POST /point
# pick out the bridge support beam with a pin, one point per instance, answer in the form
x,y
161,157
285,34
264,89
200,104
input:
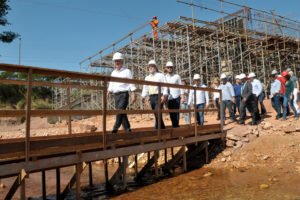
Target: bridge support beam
x,y
20,181
75,179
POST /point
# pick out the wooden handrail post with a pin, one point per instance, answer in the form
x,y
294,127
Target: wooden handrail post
x,y
159,113
69,108
28,114
195,111
104,109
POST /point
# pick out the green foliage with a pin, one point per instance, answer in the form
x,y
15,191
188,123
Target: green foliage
x,y
6,36
15,95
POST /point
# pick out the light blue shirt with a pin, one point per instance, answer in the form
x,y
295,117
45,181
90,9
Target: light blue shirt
x,y
256,87
275,88
227,91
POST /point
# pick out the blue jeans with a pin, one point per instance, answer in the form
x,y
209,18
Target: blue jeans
x,y
184,106
228,104
275,101
200,115
261,98
237,103
286,102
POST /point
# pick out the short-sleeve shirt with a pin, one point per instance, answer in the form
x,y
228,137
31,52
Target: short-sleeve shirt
x,y
294,79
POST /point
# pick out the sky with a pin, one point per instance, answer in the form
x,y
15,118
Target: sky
x,y
58,34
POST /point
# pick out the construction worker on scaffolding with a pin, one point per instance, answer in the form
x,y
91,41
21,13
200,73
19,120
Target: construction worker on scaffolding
x,y
154,24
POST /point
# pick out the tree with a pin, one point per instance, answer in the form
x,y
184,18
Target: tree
x,y
6,36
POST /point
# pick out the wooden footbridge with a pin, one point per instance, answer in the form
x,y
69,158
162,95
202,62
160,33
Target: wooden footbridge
x,y
21,156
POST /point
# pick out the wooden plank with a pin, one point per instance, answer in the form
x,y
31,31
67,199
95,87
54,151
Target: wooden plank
x,y
118,173
57,171
174,160
47,113
87,76
148,165
76,176
49,145
44,192
67,160
18,181
28,115
50,84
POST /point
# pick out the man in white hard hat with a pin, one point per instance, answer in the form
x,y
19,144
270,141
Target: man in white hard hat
x,y
237,92
247,100
202,98
275,94
152,91
256,90
175,94
295,81
121,92
227,96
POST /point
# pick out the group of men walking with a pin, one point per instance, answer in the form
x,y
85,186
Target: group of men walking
x,y
246,94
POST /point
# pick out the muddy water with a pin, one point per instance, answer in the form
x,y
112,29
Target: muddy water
x,y
204,183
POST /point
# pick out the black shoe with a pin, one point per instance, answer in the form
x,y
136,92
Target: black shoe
x,y
242,122
253,123
113,131
128,130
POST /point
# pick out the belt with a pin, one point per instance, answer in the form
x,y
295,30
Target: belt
x,y
151,95
121,92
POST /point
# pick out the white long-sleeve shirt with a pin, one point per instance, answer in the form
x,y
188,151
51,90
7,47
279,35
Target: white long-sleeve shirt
x,y
227,91
217,94
201,96
256,87
151,89
174,92
116,87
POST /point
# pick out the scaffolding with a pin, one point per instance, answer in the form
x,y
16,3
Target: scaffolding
x,y
246,40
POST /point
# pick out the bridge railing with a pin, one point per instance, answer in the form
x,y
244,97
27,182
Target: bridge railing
x,y
28,113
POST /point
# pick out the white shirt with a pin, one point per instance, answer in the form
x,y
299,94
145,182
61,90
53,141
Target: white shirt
x,y
227,91
116,87
216,94
174,92
156,77
256,87
201,96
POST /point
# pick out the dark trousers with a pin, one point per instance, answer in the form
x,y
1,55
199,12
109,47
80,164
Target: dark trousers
x,y
249,105
228,104
275,101
154,105
218,106
261,98
174,116
121,103
255,108
236,105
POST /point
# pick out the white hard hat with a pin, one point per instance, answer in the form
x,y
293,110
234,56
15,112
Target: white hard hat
x,y
223,76
274,72
118,56
288,69
169,64
196,76
237,77
252,75
242,76
152,62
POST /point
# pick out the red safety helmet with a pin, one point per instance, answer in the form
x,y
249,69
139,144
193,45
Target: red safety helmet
x,y
154,17
284,73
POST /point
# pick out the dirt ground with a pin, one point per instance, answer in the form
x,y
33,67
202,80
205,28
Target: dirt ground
x,y
261,162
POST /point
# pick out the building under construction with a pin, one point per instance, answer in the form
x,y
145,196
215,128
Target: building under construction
x,y
247,40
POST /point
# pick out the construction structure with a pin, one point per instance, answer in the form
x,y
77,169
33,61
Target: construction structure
x,y
246,40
